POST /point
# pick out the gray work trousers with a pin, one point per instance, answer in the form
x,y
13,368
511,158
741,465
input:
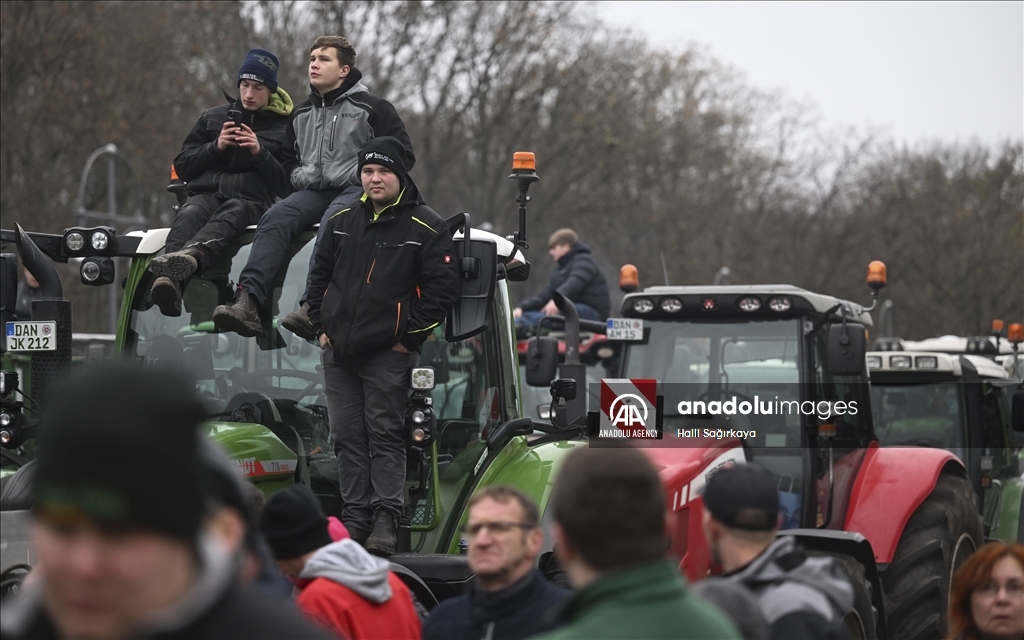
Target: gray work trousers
x,y
366,398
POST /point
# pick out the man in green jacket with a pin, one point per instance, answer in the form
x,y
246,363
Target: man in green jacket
x,y
611,536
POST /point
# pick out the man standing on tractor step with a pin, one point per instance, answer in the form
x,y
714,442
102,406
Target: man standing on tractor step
x,y
801,597
232,164
324,136
384,278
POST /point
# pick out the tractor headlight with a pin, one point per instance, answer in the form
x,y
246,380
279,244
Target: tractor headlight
x,y
74,241
671,305
780,304
749,304
643,305
99,240
423,378
97,271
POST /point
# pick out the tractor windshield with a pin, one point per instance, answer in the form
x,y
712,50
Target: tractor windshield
x,y
927,415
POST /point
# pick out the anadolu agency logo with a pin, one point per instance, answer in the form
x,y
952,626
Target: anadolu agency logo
x,y
629,409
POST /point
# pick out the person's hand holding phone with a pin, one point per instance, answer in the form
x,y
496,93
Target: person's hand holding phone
x,y
246,138
226,139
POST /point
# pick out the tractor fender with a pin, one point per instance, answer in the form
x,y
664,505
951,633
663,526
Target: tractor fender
x,y
892,484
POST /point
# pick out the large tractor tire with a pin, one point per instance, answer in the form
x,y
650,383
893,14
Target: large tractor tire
x,y
939,536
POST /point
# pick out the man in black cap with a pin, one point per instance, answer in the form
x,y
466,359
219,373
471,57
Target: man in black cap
x,y
124,545
801,597
232,163
384,278
341,586
324,135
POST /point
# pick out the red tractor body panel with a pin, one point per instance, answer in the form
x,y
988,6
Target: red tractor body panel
x,y
684,471
891,485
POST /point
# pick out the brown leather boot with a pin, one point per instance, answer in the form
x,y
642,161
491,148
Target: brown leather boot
x,y
243,317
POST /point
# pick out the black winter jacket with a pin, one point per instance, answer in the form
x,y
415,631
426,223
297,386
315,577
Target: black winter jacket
x,y
383,279
519,611
236,173
578,278
326,133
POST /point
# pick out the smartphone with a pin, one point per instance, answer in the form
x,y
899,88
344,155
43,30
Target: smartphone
x,y
235,116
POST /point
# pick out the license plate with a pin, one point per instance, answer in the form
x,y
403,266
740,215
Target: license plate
x,y
625,329
31,336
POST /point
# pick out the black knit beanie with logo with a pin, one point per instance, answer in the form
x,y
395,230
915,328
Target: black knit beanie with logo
x,y
260,65
293,522
119,449
386,151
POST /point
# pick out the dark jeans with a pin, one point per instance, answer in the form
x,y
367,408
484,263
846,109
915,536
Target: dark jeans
x,y
532,318
280,224
210,223
366,398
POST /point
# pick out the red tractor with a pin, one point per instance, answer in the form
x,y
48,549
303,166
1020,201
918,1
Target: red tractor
x,y
776,375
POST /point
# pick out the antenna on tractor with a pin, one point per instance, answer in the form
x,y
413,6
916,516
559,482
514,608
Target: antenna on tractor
x,y
524,172
664,269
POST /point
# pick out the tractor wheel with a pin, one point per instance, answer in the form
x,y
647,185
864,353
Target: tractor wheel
x,y
19,489
939,536
861,620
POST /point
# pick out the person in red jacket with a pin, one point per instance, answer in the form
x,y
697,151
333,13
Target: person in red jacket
x,y
342,587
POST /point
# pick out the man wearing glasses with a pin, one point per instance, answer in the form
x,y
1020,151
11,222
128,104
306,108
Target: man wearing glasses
x,y
509,598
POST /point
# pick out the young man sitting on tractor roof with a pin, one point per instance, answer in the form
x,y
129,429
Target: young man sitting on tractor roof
x,y
232,163
325,135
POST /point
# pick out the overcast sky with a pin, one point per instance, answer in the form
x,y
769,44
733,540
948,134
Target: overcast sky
x,y
915,70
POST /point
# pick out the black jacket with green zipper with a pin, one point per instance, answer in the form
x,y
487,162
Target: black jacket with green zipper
x,y
381,279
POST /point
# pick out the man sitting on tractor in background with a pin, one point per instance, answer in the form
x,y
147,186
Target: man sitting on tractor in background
x,y
383,279
232,163
576,276
325,135
800,596
510,598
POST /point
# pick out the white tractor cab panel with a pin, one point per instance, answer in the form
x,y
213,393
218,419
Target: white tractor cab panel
x,y
959,344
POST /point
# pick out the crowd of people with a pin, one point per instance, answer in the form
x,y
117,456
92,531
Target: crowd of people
x,y
151,533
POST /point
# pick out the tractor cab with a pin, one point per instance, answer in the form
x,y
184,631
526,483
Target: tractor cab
x,y
961,403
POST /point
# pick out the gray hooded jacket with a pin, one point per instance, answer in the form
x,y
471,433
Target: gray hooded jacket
x,y
350,565
800,595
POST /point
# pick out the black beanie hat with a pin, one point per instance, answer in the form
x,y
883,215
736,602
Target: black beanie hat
x,y
293,523
386,151
744,497
120,449
259,65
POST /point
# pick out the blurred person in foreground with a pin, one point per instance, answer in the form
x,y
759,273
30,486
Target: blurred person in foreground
x,y
611,537
341,586
509,598
801,597
124,540
987,598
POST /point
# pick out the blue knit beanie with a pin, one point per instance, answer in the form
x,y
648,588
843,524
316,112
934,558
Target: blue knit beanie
x,y
261,66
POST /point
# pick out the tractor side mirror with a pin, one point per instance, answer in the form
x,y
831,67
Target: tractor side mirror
x,y
541,361
1017,411
847,349
477,261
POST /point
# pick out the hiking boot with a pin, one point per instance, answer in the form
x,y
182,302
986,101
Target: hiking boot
x,y
167,295
358,535
242,317
298,322
180,265
384,535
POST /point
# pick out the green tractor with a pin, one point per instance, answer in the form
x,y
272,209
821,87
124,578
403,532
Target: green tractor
x,y
265,396
963,404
